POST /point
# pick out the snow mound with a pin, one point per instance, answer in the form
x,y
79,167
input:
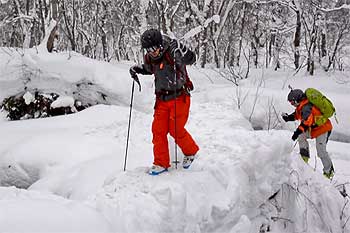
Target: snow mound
x,y
306,203
54,144
28,211
213,195
87,80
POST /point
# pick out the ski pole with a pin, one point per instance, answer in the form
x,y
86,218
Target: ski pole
x,y
295,144
175,125
176,161
128,134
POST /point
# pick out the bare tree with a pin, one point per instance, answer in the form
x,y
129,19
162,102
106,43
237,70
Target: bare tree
x,y
69,17
297,34
241,34
295,30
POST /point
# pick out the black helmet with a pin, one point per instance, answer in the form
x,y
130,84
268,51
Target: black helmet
x,y
151,37
296,95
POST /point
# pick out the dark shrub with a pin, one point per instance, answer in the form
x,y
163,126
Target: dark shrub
x,y
38,105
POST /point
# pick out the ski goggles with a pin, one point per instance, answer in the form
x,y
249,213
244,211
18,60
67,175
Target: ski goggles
x,y
293,102
152,49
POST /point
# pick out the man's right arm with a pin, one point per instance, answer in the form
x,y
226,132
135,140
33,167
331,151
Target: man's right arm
x,y
288,117
140,69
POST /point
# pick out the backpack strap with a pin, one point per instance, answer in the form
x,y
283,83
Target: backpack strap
x,y
146,59
169,58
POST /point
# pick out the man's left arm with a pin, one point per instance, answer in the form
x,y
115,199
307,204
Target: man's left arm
x,y
183,55
306,121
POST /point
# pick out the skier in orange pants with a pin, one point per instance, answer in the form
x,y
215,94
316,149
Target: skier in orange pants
x,y
167,60
164,123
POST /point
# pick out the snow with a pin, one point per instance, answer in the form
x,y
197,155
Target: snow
x,y
216,18
28,98
64,101
192,32
65,173
28,211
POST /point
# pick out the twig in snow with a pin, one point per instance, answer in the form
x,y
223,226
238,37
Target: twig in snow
x,y
256,95
311,202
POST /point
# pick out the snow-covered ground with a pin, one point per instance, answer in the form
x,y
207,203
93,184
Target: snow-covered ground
x,y
65,174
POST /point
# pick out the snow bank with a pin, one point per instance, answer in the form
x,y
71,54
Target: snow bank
x,y
52,144
211,196
306,203
63,101
28,211
65,73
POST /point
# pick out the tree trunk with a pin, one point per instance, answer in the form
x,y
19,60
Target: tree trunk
x,y
332,58
216,58
323,45
33,33
276,53
311,53
241,34
203,50
46,10
271,45
254,53
51,40
69,28
313,48
297,38
103,32
27,7
22,38
215,48
74,23
42,19
54,9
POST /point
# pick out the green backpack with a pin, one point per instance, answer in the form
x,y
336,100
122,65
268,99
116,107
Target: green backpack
x,y
321,102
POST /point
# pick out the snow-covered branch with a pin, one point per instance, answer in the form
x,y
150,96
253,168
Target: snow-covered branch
x,y
193,32
344,6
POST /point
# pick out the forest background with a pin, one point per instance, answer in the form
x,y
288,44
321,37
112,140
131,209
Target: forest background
x,y
234,34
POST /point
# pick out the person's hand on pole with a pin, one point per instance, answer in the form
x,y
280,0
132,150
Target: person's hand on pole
x,y
133,72
296,134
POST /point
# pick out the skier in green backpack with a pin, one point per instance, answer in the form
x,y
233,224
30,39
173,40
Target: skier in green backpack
x,y
307,113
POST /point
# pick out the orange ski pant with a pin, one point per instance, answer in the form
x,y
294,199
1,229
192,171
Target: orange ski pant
x,y
164,123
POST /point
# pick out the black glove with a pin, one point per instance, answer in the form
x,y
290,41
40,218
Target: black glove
x,y
296,134
134,77
134,70
177,46
286,117
189,85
